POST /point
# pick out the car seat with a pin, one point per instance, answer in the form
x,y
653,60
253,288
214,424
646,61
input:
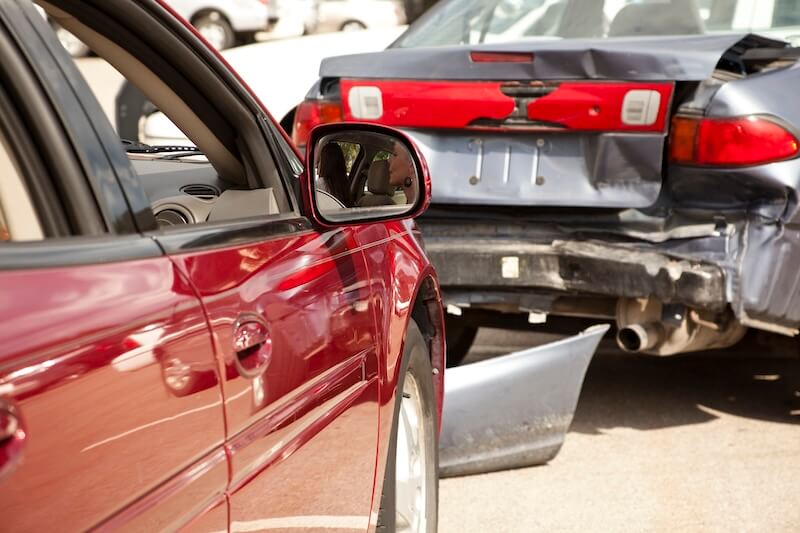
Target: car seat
x,y
333,176
379,186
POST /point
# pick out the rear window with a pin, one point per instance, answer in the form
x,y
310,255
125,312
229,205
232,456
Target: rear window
x,y
454,22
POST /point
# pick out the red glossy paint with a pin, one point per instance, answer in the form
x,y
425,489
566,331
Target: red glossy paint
x,y
84,352
571,106
320,389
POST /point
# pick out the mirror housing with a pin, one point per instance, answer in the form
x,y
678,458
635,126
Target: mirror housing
x,y
358,173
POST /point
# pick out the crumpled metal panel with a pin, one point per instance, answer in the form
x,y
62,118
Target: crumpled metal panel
x,y
684,58
769,277
515,410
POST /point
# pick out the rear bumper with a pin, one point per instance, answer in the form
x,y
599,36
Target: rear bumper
x,y
745,265
573,267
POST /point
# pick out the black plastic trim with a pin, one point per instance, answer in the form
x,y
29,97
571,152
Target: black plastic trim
x,y
76,251
229,233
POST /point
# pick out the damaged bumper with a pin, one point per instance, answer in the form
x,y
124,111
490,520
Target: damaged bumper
x,y
693,285
593,268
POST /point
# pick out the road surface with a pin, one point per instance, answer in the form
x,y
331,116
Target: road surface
x,y
677,444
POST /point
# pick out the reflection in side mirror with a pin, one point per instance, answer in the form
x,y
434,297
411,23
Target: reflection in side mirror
x,y
359,175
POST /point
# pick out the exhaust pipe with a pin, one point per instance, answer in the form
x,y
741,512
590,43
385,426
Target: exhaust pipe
x,y
640,337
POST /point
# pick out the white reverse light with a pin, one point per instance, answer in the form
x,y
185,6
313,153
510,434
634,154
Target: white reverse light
x,y
366,103
640,107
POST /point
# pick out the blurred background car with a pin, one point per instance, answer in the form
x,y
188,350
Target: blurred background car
x,y
349,15
226,23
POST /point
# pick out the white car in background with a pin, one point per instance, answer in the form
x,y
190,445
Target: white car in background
x,y
223,23
280,72
347,15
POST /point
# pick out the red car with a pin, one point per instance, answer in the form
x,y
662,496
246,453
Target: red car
x,y
220,338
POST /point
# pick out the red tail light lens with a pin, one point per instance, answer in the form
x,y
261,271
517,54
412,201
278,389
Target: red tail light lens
x,y
312,113
741,141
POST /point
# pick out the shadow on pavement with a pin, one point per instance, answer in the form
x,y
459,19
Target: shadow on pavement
x,y
644,392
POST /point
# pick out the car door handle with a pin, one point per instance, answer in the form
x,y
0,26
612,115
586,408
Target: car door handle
x,y
12,438
252,344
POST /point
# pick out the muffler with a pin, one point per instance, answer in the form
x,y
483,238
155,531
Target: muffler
x,y
640,337
650,326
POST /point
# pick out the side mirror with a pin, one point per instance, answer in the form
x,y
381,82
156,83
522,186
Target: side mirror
x,y
358,173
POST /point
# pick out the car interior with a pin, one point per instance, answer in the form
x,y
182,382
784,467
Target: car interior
x,y
228,175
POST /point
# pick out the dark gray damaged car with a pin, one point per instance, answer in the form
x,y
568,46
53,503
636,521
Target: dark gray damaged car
x,y
601,160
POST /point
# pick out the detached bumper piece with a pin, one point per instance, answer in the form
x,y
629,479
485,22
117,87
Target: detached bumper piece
x,y
513,411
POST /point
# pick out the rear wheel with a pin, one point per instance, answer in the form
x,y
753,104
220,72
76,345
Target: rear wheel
x,y
216,29
460,337
410,498
245,37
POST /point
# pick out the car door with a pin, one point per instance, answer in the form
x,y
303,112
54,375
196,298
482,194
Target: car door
x,y
100,326
292,319
289,307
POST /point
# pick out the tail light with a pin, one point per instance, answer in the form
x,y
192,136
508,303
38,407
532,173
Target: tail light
x,y
312,113
739,141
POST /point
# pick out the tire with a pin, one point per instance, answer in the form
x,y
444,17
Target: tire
x,y
216,29
400,501
245,37
352,25
459,338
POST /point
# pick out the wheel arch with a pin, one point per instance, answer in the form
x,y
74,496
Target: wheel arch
x,y
352,20
426,311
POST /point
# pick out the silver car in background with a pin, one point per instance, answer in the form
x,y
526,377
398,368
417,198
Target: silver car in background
x,y
348,15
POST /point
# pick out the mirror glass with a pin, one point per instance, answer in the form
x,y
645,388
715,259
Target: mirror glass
x,y
364,175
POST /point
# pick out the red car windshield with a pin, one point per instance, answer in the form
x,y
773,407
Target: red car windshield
x,y
455,22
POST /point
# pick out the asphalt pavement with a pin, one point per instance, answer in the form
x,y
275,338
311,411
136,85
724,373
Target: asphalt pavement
x,y
690,443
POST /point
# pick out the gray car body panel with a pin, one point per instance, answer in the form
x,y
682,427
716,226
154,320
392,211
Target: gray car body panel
x,y
513,411
545,169
685,58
